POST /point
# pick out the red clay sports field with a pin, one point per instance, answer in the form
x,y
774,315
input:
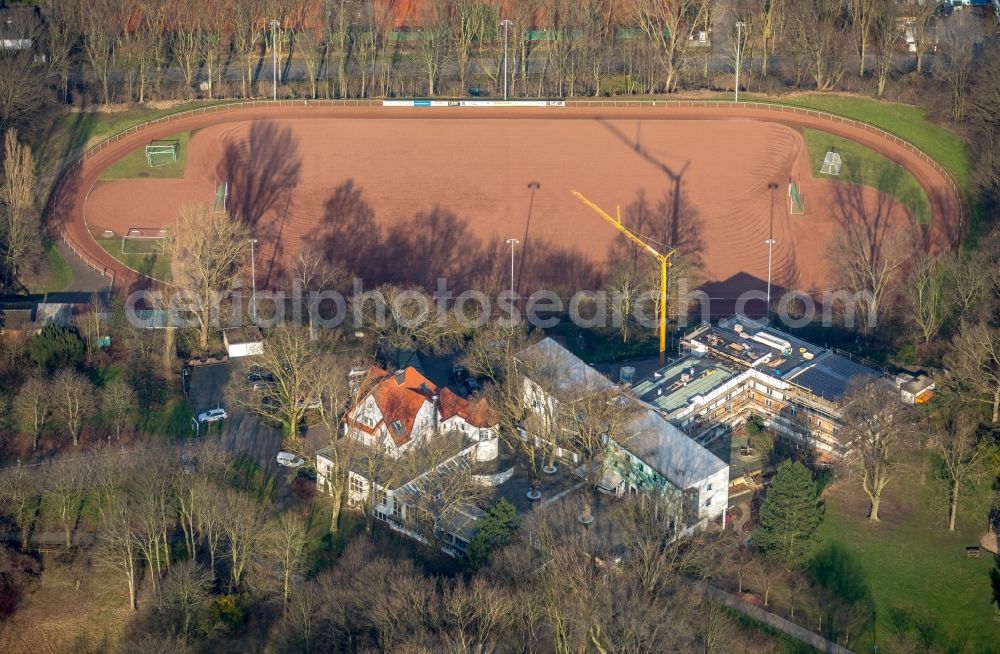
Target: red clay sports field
x,y
352,179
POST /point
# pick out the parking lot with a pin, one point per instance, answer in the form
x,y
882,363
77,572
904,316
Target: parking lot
x,y
241,434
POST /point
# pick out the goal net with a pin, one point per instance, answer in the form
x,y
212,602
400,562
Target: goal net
x,y
162,153
221,195
831,163
144,240
795,203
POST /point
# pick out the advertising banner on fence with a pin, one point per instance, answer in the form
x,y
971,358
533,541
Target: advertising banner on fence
x,y
473,103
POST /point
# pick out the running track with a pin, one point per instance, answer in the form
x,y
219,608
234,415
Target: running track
x,y
66,207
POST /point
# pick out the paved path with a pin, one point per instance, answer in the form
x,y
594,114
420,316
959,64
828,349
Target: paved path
x,y
787,627
85,279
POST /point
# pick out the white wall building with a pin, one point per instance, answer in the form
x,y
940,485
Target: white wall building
x,y
653,455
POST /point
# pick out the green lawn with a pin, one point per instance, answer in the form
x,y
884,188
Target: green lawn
x,y
912,561
89,128
862,165
156,266
172,420
59,275
905,121
134,164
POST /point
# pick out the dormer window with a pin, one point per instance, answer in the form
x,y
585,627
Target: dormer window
x,y
397,426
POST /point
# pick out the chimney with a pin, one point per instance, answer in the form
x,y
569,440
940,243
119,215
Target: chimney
x,y
400,377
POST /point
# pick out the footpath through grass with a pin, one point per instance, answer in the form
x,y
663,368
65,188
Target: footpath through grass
x,y
862,165
135,165
911,561
154,265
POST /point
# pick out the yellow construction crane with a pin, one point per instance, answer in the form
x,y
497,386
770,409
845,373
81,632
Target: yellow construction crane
x,y
664,260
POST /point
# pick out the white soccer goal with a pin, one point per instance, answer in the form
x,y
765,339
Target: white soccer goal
x,y
161,153
144,240
831,163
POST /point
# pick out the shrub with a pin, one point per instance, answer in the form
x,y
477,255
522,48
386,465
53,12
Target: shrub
x,y
56,347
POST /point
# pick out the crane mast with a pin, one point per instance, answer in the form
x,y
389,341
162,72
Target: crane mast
x,y
663,259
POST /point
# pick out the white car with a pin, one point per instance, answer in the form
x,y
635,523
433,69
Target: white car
x,y
213,415
289,460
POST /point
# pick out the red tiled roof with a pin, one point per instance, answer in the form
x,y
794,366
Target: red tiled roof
x,y
398,401
477,414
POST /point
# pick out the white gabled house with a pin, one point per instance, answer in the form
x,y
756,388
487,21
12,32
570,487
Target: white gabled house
x,y
395,414
397,411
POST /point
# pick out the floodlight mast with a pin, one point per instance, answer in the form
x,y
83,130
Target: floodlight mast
x,y
663,259
275,24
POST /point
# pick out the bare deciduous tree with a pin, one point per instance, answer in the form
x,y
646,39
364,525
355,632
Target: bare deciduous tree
x,y
435,43
862,14
495,354
884,37
119,547
597,421
248,31
314,273
20,491
403,321
65,485
974,366
819,40
62,30
439,489
668,26
243,524
31,407
118,401
285,549
929,297
955,65
21,233
182,596
961,453
869,255
209,249
72,400
878,430
285,385
98,25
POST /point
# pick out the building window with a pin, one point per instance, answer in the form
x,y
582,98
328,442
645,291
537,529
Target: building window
x,y
767,403
484,434
397,426
357,486
708,502
709,487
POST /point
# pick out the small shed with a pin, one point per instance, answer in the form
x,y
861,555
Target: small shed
x,y
18,322
243,341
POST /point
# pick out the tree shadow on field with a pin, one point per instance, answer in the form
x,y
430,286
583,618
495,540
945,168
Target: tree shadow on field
x,y
553,267
670,223
261,171
871,231
841,587
673,222
436,243
433,244
348,233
